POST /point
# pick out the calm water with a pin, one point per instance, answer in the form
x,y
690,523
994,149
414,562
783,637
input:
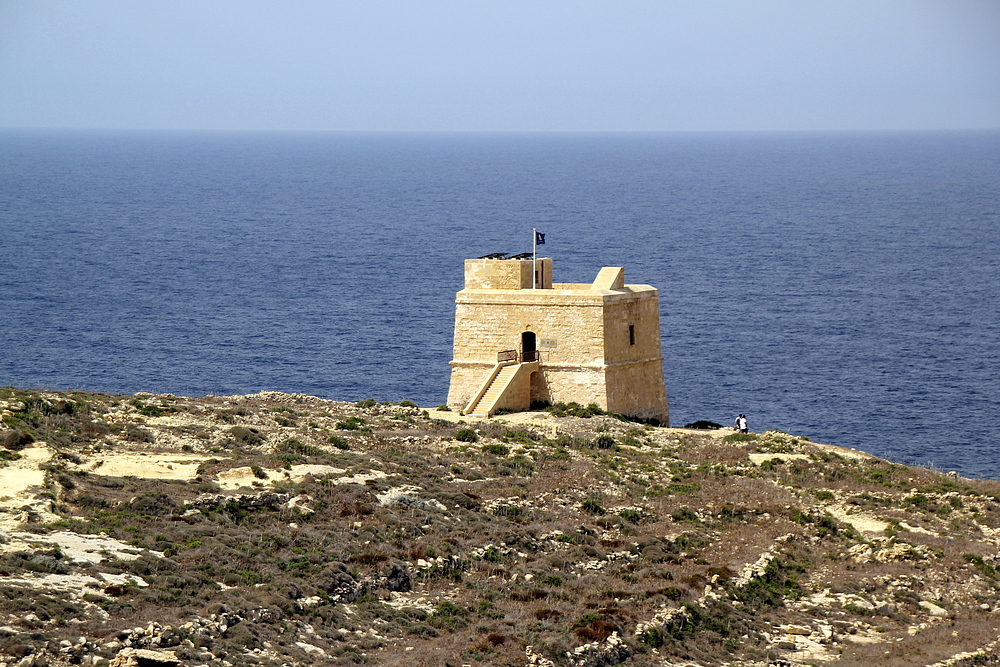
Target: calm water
x,y
843,287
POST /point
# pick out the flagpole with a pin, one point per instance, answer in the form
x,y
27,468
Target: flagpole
x,y
534,258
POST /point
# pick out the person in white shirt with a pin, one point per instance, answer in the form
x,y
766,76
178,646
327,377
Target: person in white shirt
x,y
741,423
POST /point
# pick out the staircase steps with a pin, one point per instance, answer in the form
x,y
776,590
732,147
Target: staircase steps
x,y
496,388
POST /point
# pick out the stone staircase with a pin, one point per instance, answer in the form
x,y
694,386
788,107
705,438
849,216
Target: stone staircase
x,y
484,407
507,386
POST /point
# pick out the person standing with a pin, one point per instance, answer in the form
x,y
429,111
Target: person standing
x,y
741,423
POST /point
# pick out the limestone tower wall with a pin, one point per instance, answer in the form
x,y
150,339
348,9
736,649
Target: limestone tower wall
x,y
593,343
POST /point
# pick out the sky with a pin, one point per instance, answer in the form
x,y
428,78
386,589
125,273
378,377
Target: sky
x,y
482,65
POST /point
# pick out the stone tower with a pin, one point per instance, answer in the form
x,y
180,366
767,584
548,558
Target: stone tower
x,y
556,343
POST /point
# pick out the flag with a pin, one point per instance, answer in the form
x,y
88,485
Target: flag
x,y
539,238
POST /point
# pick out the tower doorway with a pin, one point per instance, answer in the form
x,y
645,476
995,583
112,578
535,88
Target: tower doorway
x,y
528,350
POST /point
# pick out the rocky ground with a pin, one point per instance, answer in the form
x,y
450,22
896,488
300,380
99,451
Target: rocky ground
x,y
279,529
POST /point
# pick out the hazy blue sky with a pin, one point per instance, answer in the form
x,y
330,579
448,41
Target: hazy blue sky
x,y
511,65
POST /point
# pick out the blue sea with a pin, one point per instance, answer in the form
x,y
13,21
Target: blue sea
x,y
845,287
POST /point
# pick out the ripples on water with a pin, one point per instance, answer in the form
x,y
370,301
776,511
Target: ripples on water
x,y
843,287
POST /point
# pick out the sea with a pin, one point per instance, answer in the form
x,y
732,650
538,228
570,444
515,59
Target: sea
x,y
840,286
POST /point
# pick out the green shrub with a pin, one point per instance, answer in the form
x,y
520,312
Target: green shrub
x,y
150,410
771,465
990,571
258,472
466,435
880,476
494,448
339,443
448,615
574,409
444,408
493,555
778,583
351,424
631,515
407,404
653,636
517,435
740,437
250,577
593,506
857,609
367,403
684,514
587,619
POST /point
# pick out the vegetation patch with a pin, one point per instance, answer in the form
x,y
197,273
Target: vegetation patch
x,y
469,552
466,435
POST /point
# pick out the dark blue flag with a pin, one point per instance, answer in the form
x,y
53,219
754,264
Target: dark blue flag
x,y
539,238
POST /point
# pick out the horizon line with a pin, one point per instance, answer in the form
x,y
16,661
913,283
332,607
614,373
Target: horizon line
x,y
179,130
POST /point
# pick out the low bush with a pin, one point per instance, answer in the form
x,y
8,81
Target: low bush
x,y
466,435
518,435
684,514
295,446
351,424
740,437
631,515
448,615
990,571
574,409
247,436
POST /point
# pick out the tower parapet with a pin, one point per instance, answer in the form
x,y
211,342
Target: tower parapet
x,y
589,343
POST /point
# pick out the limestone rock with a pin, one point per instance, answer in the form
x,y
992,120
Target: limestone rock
x,y
934,609
140,657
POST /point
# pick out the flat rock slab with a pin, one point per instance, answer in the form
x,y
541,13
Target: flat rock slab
x,y
146,466
20,475
861,522
758,458
140,657
244,476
